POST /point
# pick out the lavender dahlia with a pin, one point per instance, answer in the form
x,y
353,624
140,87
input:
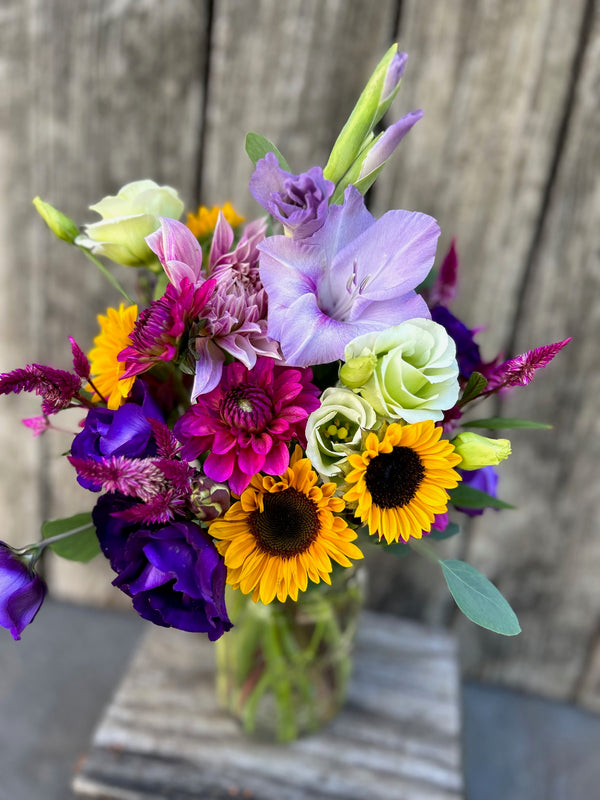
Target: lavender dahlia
x,y
354,275
247,422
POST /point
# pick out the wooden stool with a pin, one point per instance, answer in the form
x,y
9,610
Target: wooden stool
x,y
398,737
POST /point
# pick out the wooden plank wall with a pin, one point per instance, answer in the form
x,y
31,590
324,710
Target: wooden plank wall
x,y
102,92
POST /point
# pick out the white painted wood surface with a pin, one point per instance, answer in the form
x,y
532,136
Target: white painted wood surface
x,y
398,738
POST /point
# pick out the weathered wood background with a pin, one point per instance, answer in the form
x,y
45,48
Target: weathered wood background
x,y
100,92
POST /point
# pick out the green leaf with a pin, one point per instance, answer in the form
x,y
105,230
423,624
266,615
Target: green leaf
x,y
469,497
258,146
500,423
82,545
450,530
479,599
475,385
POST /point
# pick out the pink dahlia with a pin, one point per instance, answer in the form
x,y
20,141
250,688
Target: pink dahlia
x,y
246,423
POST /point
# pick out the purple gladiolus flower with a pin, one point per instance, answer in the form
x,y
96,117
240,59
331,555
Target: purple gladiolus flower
x,y
299,202
173,573
354,275
486,480
125,431
22,592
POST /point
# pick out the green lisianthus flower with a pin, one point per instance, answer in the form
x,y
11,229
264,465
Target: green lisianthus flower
x,y
415,373
335,429
127,219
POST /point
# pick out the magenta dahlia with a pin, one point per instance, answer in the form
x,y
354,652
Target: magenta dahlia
x,y
246,423
162,326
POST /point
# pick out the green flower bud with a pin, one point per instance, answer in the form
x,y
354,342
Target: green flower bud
x,y
375,100
357,371
479,451
127,219
335,429
60,225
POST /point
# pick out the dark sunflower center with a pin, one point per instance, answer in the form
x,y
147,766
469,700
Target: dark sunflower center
x,y
288,525
393,478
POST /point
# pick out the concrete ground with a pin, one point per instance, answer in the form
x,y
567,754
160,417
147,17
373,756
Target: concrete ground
x,y
55,682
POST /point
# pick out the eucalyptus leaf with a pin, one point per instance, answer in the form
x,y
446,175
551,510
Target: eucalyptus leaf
x,y
469,497
503,423
82,545
257,147
478,598
475,385
450,530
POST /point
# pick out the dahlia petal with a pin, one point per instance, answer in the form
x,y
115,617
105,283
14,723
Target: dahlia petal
x,y
178,251
219,467
209,367
277,460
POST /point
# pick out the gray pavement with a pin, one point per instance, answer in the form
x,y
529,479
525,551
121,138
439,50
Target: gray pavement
x,y
56,681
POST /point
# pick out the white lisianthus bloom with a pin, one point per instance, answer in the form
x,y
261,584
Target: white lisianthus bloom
x,y
335,429
127,219
414,375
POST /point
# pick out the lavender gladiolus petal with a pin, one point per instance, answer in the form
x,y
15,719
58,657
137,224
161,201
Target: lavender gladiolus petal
x,y
355,275
385,146
393,75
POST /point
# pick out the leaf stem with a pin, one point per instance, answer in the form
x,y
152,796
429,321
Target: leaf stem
x,y
107,274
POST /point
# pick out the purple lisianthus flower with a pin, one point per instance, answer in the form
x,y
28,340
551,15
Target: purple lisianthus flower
x,y
485,479
299,202
353,276
173,572
125,431
22,592
467,350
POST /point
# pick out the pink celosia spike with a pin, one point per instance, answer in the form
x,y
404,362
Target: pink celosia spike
x,y
519,371
81,365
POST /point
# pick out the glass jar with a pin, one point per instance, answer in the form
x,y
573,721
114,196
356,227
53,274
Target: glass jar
x,y
284,668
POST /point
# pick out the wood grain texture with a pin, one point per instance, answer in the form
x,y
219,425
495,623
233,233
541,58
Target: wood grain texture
x,y
546,555
98,96
506,158
398,738
292,76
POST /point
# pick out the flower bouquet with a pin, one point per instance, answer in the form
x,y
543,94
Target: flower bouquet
x,y
282,391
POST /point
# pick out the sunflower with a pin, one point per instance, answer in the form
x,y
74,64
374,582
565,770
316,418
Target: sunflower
x,y
115,330
401,481
283,531
203,222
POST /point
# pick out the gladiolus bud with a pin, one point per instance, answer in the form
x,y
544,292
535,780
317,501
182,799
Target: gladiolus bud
x,y
370,108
